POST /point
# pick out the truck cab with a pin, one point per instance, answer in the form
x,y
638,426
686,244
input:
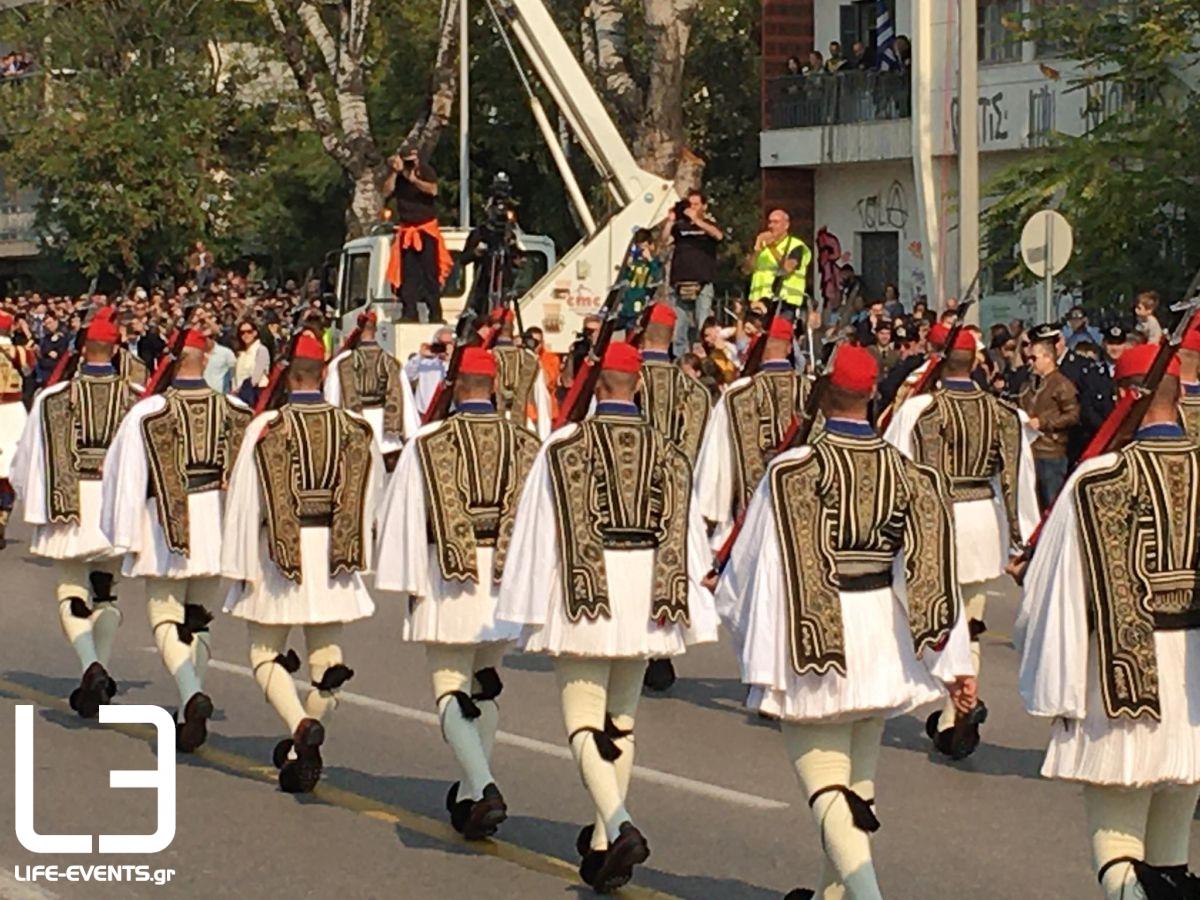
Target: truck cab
x,y
359,280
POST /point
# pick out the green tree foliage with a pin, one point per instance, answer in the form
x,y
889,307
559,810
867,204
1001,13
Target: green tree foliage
x,y
129,139
1129,185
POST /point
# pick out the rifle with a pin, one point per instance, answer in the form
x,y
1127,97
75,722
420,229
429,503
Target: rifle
x,y
575,406
164,372
1122,423
439,404
937,362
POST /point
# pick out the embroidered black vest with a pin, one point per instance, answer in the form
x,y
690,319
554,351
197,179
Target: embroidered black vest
x,y
370,378
517,371
676,404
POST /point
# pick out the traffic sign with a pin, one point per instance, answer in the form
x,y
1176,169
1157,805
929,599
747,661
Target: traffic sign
x,y
1046,243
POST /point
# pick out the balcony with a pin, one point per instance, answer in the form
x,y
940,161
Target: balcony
x,y
844,98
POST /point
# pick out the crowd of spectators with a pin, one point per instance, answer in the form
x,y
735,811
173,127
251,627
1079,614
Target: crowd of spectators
x,y
14,63
248,322
859,59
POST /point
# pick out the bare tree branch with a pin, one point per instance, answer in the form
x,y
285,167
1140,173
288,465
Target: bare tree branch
x,y
444,84
612,59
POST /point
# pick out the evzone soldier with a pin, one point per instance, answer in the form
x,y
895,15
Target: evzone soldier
x,y
678,406
164,486
1109,634
842,598
979,445
13,360
57,471
297,539
521,392
746,425
444,539
1189,376
369,381
603,572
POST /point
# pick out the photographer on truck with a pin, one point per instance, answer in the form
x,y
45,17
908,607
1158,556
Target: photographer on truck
x,y
492,248
694,238
419,262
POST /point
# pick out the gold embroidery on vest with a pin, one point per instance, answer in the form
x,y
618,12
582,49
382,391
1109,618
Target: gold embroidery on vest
x,y
759,414
1139,532
315,464
849,507
617,484
474,468
516,373
676,404
370,377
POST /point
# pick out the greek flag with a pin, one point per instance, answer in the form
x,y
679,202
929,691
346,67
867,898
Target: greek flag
x,y
885,38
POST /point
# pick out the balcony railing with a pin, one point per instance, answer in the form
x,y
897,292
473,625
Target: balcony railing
x,y
19,96
799,101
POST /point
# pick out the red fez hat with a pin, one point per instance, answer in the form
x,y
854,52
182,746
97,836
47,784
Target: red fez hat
x,y
854,369
197,340
367,319
938,334
308,347
1137,360
102,329
621,357
477,361
6,320
1191,337
964,340
661,314
782,329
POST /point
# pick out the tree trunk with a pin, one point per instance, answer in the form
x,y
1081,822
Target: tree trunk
x,y
443,85
661,141
366,203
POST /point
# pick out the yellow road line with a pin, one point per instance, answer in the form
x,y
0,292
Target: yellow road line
x,y
358,803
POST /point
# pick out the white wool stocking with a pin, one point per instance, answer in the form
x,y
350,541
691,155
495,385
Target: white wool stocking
x,y
1168,825
72,582
583,686
1117,823
839,754
266,642
164,608
452,668
323,651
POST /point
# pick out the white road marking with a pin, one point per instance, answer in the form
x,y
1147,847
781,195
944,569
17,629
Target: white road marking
x,y
678,782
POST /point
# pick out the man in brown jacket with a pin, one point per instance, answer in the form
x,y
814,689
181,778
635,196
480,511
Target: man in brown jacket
x,y
1052,404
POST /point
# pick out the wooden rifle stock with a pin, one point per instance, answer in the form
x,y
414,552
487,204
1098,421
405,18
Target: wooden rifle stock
x,y
272,394
69,363
439,404
164,372
933,372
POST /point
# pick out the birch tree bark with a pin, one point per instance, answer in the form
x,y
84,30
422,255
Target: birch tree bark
x,y
648,104
443,83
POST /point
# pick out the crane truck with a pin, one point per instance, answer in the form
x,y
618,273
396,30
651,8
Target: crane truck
x,y
559,292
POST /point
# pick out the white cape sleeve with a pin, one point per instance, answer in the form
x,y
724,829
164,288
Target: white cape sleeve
x,y
900,430
126,475
532,579
403,545
333,381
541,401
1027,501
714,474
240,545
1051,632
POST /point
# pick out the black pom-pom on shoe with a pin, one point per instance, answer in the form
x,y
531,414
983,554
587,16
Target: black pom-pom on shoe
x,y
660,676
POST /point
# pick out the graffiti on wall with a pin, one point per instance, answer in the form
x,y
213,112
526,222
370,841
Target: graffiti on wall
x,y
993,118
884,211
829,267
1041,115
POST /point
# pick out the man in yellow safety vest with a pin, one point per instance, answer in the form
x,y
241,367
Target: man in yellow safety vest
x,y
779,253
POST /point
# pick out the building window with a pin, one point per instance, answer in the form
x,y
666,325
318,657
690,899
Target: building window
x,y
996,42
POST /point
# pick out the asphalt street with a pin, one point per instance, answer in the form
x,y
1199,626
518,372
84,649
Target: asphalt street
x,y
713,791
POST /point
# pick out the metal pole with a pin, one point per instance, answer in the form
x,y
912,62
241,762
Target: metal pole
x,y
464,116
968,154
1048,300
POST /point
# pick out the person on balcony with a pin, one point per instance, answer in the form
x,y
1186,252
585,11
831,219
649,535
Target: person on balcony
x,y
835,60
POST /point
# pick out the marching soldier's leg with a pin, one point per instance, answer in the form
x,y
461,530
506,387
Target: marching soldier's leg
x,y
475,805
822,757
204,595
583,686
488,658
107,617
298,758
325,668
624,691
78,619
974,603
1168,829
1117,823
166,610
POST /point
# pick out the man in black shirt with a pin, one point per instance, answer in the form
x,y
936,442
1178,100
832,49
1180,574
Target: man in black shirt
x,y
694,237
420,261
